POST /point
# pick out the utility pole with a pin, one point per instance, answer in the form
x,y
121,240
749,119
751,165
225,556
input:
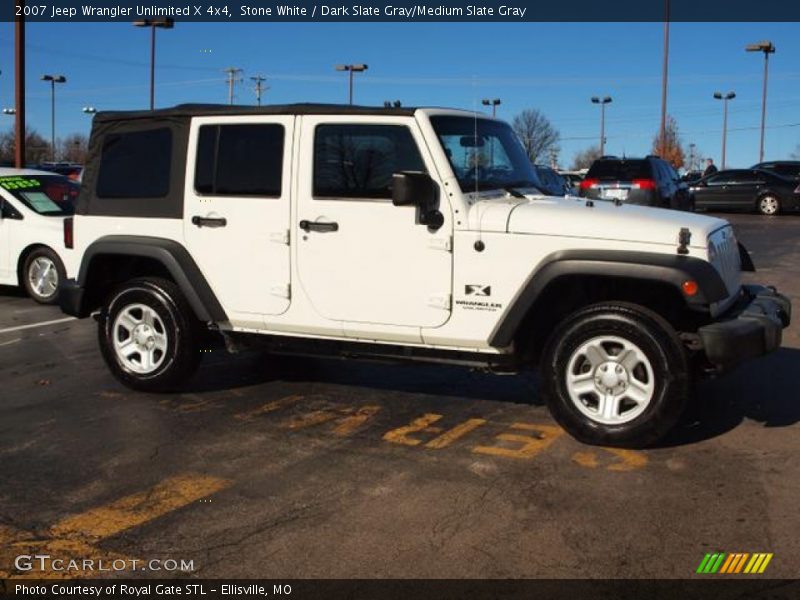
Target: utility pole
x,y
767,48
724,98
662,132
19,90
602,102
259,79
232,79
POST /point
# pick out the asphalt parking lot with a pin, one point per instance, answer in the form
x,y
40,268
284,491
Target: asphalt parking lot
x,y
313,468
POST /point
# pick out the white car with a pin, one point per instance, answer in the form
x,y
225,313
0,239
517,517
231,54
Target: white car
x,y
33,206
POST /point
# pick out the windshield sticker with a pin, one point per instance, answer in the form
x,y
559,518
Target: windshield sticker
x,y
40,202
19,183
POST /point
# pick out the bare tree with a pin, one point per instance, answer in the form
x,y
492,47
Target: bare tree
x,y
671,149
585,158
537,134
37,149
73,148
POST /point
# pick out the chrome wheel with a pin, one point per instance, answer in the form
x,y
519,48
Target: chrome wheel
x,y
43,277
769,205
610,380
140,338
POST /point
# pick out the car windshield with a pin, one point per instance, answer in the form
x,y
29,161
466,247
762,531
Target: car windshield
x,y
48,195
484,154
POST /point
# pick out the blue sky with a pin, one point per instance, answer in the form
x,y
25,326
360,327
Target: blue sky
x,y
555,67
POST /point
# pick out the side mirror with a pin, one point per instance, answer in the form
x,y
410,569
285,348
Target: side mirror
x,y
414,188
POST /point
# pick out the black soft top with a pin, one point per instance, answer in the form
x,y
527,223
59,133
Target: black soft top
x,y
199,110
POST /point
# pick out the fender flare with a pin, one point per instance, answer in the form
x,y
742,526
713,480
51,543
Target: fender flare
x,y
643,266
175,258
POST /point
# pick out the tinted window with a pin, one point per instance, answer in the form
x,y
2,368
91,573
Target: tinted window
x,y
620,170
358,161
239,160
136,164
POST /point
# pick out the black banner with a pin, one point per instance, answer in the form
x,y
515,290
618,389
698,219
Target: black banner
x,y
401,10
307,589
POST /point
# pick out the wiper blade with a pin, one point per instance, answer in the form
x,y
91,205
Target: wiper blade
x,y
513,192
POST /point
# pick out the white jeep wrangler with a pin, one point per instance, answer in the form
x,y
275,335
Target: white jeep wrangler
x,y
406,233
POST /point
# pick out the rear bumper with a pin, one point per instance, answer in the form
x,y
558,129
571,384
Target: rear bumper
x,y
70,299
752,327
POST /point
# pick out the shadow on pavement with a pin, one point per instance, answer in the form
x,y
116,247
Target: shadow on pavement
x,y
766,390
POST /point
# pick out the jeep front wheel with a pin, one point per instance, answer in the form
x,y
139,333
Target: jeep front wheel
x,y
148,335
615,374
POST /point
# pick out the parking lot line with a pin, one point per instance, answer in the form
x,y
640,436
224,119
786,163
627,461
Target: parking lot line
x,y
137,509
34,325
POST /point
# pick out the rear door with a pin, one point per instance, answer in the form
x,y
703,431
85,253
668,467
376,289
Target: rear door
x,y
236,211
361,259
742,189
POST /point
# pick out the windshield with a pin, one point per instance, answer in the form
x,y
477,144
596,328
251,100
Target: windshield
x,y
484,154
48,195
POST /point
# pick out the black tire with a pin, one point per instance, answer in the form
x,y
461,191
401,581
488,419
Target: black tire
x,y
28,270
661,346
175,317
768,205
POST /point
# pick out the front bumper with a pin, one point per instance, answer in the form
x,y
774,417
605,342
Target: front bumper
x,y
751,328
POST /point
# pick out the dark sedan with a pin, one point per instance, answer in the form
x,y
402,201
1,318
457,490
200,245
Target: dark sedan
x,y
747,190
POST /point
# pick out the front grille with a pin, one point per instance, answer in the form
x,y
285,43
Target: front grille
x,y
727,260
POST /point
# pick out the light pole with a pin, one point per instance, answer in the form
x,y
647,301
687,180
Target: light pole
x,y
493,103
767,48
163,23
602,102
358,68
662,130
53,79
724,98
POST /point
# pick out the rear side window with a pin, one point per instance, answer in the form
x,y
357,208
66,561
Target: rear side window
x,y
240,160
358,161
620,170
135,164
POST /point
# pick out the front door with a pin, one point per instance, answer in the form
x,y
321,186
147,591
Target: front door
x,y
236,211
361,259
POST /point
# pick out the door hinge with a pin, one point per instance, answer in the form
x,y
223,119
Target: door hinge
x,y
444,244
281,291
441,301
280,237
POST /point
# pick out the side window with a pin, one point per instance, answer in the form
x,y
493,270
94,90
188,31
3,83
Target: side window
x,y
358,161
135,164
239,160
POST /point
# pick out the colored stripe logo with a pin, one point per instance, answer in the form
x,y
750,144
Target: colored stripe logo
x,y
734,563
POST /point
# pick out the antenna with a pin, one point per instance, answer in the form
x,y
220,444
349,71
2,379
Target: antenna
x,y
259,79
232,79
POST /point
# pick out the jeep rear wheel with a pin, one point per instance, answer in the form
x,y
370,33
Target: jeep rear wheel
x,y
615,374
148,335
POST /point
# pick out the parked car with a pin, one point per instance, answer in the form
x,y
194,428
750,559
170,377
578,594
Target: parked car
x,y
649,181
552,183
619,306
786,168
747,190
70,170
33,206
574,179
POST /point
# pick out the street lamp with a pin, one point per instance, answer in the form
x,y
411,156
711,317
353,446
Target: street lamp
x,y
493,103
724,98
89,110
9,111
53,79
602,102
767,48
163,23
359,68
392,104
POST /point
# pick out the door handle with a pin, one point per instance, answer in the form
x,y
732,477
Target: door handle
x,y
317,226
209,221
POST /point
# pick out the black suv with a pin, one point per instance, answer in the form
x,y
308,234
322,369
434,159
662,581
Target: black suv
x,y
649,181
787,168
